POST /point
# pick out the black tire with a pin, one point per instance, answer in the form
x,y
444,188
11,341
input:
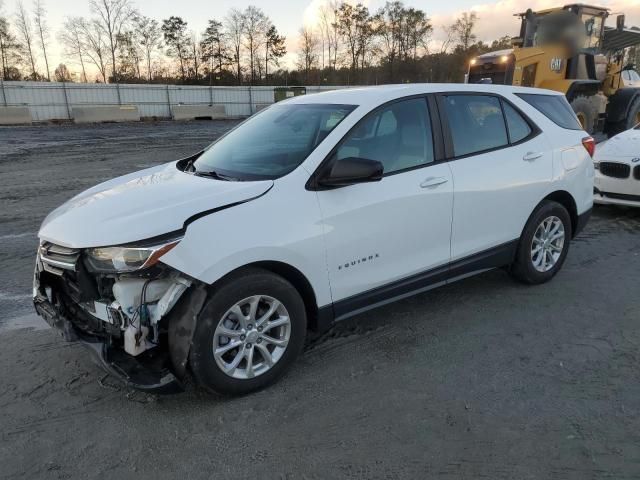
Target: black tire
x,y
586,111
632,119
244,284
523,268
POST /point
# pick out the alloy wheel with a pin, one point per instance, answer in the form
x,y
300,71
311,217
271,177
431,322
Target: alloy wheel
x,y
251,337
547,244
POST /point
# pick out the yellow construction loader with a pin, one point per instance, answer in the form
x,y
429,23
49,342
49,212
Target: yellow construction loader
x,y
570,50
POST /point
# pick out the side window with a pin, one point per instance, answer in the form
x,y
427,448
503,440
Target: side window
x,y
518,126
476,123
399,136
625,75
554,107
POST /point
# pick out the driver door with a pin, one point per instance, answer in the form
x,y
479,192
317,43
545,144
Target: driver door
x,y
388,238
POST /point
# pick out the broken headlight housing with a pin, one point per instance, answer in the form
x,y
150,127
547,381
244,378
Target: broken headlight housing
x,y
127,258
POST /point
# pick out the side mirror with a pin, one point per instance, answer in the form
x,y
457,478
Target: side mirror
x,y
352,170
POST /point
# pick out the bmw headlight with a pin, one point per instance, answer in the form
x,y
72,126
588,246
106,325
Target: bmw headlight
x,y
127,258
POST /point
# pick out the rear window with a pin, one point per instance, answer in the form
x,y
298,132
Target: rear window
x,y
555,108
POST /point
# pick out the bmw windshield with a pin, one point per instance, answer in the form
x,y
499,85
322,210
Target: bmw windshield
x,y
270,144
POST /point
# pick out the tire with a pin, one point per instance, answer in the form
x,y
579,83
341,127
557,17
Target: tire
x,y
632,119
524,267
586,111
251,339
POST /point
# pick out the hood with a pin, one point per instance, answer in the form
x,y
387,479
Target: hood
x,y
141,205
623,147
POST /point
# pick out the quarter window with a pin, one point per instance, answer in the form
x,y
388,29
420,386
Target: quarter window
x,y
519,129
554,107
398,136
476,123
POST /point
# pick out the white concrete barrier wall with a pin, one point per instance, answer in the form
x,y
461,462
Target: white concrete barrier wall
x,y
15,116
125,113
191,112
56,101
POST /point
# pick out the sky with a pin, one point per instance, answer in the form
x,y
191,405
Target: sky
x,y
495,18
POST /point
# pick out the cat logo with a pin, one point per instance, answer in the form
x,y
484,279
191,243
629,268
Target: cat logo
x,y
556,64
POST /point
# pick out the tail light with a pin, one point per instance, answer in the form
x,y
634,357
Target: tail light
x,y
590,145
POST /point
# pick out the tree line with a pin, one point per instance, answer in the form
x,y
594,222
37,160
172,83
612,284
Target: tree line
x,y
349,44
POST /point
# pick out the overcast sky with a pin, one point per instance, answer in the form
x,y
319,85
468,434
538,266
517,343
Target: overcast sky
x,y
495,18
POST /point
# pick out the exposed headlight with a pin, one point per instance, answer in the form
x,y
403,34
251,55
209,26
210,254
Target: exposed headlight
x,y
127,258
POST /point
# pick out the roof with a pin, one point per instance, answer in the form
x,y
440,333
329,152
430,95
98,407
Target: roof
x,y
545,11
380,94
615,39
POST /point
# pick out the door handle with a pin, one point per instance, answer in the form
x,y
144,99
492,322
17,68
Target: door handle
x,y
531,156
431,182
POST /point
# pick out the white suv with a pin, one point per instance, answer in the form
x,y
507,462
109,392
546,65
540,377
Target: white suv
x,y
316,209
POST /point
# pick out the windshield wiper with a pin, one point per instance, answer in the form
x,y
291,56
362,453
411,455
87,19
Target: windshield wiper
x,y
216,175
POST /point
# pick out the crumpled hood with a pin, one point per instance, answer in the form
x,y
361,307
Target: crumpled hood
x,y
141,205
623,147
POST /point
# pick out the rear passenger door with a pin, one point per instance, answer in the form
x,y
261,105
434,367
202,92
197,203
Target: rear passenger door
x,y
501,167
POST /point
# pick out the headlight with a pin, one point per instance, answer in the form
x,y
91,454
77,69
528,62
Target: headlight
x,y
127,258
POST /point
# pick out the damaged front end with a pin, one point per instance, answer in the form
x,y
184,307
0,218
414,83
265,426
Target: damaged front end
x,y
134,313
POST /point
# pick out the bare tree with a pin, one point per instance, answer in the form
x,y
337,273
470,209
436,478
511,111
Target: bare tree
x,y
308,53
256,25
463,29
113,17
195,55
39,18
23,24
149,35
234,23
95,45
71,36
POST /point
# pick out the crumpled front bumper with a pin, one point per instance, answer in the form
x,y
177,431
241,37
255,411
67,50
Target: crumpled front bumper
x,y
149,376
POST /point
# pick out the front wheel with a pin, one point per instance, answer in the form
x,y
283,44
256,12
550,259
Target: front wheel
x,y
544,244
248,334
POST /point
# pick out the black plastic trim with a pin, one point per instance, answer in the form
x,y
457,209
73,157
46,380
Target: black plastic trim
x,y
495,257
583,219
620,196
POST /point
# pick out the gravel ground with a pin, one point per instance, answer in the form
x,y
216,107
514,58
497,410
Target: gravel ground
x,y
482,379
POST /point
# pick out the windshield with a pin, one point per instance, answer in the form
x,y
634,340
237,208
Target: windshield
x,y
273,143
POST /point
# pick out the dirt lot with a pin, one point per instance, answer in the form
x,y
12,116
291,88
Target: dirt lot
x,y
482,379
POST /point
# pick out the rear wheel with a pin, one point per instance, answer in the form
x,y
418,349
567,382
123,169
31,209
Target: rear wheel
x,y
586,112
249,333
632,119
543,245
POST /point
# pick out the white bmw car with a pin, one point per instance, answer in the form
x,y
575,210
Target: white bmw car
x,y
617,164
316,209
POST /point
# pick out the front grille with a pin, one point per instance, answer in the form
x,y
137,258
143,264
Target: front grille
x,y
636,173
615,169
56,258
